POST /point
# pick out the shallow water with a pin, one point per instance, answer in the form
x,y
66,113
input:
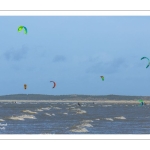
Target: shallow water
x,y
69,118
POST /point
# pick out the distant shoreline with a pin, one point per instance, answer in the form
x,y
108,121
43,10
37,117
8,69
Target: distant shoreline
x,y
72,97
76,101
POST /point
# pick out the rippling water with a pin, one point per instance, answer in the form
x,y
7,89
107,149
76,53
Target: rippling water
x,y
69,118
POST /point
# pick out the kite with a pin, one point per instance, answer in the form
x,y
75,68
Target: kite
x,y
25,86
20,28
102,78
148,61
54,84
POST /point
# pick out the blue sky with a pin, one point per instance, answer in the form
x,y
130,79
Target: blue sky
x,y
74,51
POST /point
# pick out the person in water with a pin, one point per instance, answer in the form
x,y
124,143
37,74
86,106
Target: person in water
x,y
79,104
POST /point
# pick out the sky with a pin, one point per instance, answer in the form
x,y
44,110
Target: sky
x,y
74,51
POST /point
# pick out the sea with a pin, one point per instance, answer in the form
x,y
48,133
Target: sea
x,y
73,118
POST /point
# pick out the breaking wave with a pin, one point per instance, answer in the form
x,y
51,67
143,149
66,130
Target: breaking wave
x,y
72,107
106,105
16,118
28,116
81,127
46,108
56,108
30,112
38,110
81,112
48,114
85,121
86,125
1,124
79,130
1,120
22,117
121,117
65,113
110,119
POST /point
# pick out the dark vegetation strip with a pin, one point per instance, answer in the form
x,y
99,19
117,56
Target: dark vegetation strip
x,y
71,97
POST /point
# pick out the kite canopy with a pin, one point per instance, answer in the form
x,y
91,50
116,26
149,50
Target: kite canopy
x,y
54,84
144,58
140,100
102,77
25,86
20,28
148,61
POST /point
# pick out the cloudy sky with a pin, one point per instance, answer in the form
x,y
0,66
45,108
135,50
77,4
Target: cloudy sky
x,y
74,52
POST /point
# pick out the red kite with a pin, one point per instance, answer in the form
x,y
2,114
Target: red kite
x,y
54,84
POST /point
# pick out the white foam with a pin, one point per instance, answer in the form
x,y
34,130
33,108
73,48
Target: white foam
x,y
86,121
109,119
22,117
3,124
28,116
16,118
48,114
76,109
46,108
86,125
65,113
81,112
38,110
106,105
30,112
97,119
121,117
2,128
57,108
16,102
2,120
79,130
53,114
